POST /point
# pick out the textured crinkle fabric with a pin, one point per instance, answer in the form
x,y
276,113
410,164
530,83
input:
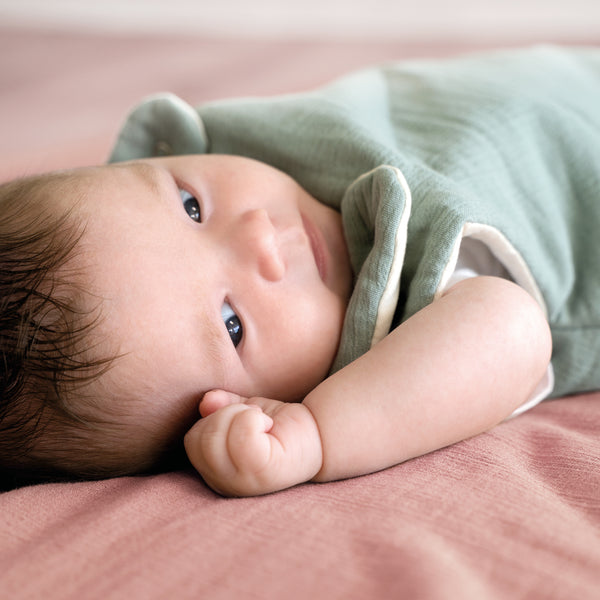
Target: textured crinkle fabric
x,y
514,513
503,147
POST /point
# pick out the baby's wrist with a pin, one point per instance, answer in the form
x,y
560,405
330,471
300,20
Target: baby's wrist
x,y
313,448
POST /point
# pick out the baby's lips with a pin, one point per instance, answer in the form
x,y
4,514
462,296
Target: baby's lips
x,y
317,246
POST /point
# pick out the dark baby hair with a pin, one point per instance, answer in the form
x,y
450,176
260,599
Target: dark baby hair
x,y
44,358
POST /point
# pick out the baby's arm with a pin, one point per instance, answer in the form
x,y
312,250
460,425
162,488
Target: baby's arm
x,y
453,370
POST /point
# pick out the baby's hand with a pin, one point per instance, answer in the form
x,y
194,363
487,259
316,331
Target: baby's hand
x,y
252,446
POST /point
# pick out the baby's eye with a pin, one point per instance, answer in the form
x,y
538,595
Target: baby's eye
x,y
233,324
191,205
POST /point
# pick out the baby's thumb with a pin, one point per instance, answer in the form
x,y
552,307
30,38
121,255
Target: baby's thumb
x,y
215,399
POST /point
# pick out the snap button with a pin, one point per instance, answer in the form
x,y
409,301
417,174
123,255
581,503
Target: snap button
x,y
162,148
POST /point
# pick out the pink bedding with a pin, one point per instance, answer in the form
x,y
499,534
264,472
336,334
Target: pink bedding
x,y
514,513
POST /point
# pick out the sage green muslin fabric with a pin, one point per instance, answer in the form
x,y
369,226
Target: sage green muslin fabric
x,y
501,147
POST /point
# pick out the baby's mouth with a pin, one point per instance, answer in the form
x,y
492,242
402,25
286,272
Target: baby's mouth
x,y
317,245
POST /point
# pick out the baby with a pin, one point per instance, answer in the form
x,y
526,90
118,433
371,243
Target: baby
x,y
414,304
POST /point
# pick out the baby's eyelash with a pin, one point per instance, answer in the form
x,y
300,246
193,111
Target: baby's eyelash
x,y
190,205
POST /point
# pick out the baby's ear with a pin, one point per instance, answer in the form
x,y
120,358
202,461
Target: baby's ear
x,y
215,399
160,125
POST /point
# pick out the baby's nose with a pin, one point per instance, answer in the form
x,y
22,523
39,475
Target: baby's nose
x,y
258,243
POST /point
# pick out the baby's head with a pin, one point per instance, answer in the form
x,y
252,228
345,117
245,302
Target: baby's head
x,y
129,291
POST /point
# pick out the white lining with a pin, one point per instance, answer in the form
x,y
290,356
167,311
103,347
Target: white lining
x,y
508,256
389,297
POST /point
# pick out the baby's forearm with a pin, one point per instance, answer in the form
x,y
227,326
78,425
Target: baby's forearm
x,y
453,370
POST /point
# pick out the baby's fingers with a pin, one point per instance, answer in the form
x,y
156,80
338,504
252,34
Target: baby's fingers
x,y
229,446
247,443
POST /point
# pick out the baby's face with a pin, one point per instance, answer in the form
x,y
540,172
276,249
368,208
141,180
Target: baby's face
x,y
212,272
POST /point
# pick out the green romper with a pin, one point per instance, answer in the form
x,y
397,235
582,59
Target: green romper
x,y
501,148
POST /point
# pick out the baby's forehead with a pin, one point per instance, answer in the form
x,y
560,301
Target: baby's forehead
x,y
41,188
81,177
57,190
75,193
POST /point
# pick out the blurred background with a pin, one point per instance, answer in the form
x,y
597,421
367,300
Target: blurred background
x,y
313,19
70,69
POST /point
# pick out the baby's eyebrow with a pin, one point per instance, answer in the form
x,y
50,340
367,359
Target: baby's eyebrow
x,y
149,175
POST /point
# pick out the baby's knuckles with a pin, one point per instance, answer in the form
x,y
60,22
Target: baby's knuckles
x,y
248,444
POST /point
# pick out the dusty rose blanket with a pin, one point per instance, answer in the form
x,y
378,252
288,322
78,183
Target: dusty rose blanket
x,y
514,513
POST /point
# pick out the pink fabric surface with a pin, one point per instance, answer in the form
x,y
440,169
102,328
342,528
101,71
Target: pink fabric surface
x,y
63,96
514,513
